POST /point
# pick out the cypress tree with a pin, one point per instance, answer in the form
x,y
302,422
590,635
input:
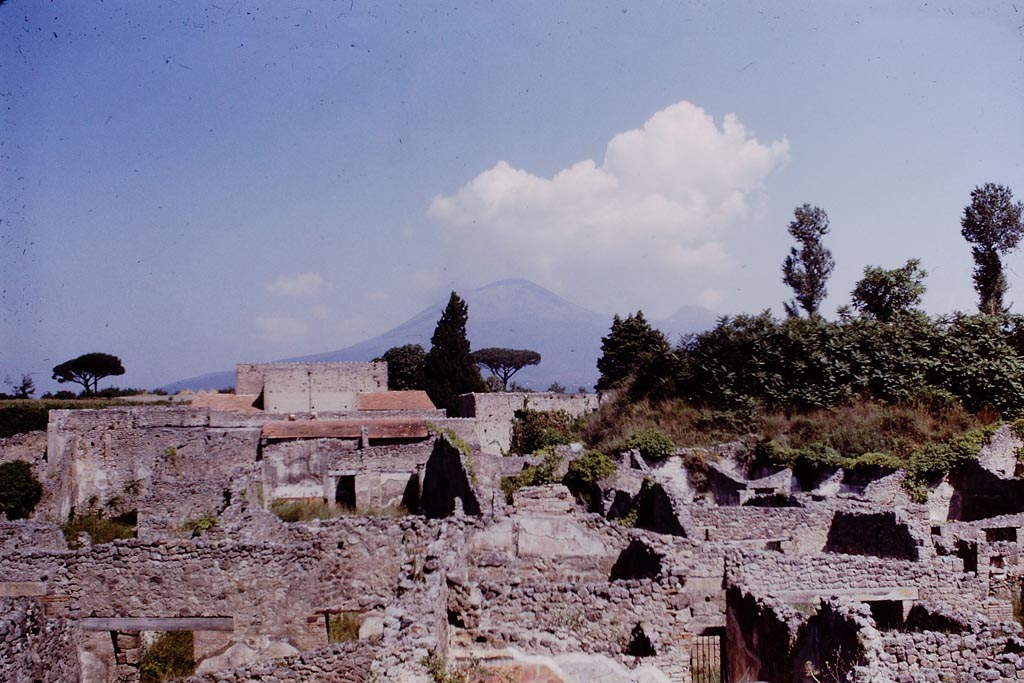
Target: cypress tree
x,y
449,368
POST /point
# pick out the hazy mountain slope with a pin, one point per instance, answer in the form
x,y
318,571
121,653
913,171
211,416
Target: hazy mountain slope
x,y
510,313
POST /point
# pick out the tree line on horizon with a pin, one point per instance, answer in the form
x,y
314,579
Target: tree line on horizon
x,y
881,347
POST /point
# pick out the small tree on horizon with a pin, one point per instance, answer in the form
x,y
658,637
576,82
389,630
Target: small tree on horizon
x,y
884,294
504,363
630,346
405,367
88,369
449,369
807,270
993,224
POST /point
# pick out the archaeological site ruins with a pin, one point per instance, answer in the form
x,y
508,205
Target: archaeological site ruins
x,y
428,567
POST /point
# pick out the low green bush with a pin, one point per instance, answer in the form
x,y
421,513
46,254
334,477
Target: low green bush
x,y
535,430
171,656
20,491
651,443
101,529
541,474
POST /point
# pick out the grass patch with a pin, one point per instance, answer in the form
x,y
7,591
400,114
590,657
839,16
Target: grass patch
x,y
101,529
308,510
342,627
304,510
171,656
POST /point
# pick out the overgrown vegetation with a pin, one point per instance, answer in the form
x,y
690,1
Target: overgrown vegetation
x,y
541,474
21,416
171,656
342,627
650,443
20,491
304,510
536,430
100,527
441,672
585,474
197,526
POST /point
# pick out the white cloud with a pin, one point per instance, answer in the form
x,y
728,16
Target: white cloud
x,y
302,284
654,216
279,329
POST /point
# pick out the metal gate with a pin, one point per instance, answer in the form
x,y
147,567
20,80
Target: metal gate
x,y
707,657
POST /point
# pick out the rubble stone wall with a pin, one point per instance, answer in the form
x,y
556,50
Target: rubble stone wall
x,y
37,648
940,579
802,530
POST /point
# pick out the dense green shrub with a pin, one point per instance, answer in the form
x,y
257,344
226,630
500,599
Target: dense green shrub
x,y
535,430
651,443
804,364
20,491
590,467
101,529
171,656
543,473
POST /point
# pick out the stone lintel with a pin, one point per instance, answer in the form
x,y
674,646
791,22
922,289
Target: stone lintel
x,y
22,589
135,624
901,593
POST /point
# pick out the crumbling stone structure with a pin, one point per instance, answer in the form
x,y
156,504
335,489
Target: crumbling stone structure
x,y
425,558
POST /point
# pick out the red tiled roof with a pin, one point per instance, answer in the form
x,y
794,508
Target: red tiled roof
x,y
345,429
395,400
239,403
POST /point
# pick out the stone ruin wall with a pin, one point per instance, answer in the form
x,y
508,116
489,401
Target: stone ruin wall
x,y
494,413
799,531
167,460
277,593
941,579
941,644
36,647
305,387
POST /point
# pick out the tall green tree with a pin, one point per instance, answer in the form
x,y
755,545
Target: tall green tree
x,y
807,269
449,369
88,370
630,347
884,294
405,367
993,225
504,363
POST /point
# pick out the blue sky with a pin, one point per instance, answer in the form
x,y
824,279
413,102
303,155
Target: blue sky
x,y
188,185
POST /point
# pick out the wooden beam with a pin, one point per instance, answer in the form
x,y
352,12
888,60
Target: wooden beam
x,y
158,624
